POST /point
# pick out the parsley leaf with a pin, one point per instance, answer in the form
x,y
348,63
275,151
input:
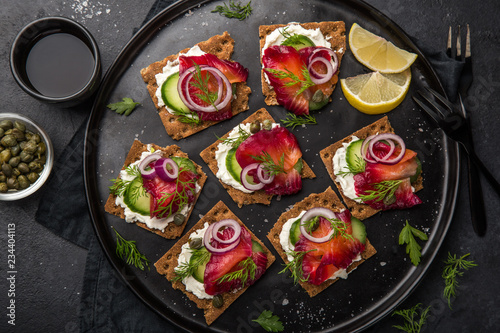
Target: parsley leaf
x,y
452,271
126,106
269,322
234,10
411,324
412,247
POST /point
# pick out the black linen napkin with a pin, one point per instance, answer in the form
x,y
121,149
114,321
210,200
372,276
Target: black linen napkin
x,y
107,305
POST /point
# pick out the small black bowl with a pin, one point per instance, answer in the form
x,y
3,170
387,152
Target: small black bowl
x,y
33,33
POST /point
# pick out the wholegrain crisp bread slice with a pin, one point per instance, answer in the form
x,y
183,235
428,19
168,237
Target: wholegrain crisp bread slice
x,y
334,32
239,197
359,210
220,45
169,261
171,230
327,199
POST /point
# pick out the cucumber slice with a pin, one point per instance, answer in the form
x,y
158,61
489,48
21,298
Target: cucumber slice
x,y
199,272
295,232
354,157
414,178
298,41
358,229
170,95
256,247
232,165
184,163
137,203
299,165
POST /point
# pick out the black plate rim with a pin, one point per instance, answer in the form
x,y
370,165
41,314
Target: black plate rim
x,y
114,72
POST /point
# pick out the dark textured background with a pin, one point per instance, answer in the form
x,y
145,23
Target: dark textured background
x,y
50,270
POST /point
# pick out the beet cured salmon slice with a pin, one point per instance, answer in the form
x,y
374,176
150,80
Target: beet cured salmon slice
x,y
322,260
282,146
224,263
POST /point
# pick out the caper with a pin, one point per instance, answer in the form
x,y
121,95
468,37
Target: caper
x,y
389,199
2,132
5,156
28,135
23,182
267,124
3,187
22,144
35,137
2,177
16,172
195,243
42,148
31,147
16,150
35,166
6,169
318,96
8,140
26,157
23,167
217,301
14,161
33,177
179,219
6,125
41,160
12,183
19,135
20,126
255,127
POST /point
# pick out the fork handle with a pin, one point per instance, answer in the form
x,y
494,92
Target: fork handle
x,y
491,179
476,200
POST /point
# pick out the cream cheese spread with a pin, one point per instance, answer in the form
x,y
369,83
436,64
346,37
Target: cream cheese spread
x,y
346,180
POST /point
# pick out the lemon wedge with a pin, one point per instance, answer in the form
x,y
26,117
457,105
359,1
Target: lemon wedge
x,y
376,93
378,54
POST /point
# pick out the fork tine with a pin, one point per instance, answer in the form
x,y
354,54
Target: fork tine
x,y
448,45
459,46
467,44
432,114
441,98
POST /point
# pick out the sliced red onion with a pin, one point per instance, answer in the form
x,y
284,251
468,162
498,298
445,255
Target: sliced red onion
x,y
146,170
364,149
208,238
264,176
392,139
245,182
167,169
331,65
312,213
227,223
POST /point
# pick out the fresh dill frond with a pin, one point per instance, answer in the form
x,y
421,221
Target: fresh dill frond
x,y
235,142
293,79
452,271
127,250
200,257
271,167
295,265
247,271
412,324
292,120
383,190
234,10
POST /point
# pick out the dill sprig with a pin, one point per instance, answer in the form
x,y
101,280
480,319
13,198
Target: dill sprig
x,y
234,10
199,257
247,270
295,265
187,117
383,190
452,272
293,78
338,226
127,250
235,142
201,83
271,167
120,186
353,169
292,120
412,323
179,197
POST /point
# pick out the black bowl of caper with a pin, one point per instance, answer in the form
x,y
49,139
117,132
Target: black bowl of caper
x,y
26,156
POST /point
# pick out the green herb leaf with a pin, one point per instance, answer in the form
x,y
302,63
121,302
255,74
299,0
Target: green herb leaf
x,y
201,257
383,190
353,169
187,117
127,250
201,83
269,322
126,106
247,270
234,10
293,120
293,78
179,200
412,247
412,324
296,265
452,271
270,166
120,186
235,142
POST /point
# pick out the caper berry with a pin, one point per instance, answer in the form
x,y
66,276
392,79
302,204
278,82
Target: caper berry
x,y
179,219
6,169
35,137
23,182
8,140
5,156
42,148
15,150
3,187
267,124
18,134
23,167
255,127
217,301
15,172
12,183
6,125
32,177
30,147
35,166
20,126
195,243
14,161
26,157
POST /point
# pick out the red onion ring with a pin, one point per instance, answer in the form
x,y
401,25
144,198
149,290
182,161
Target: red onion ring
x,y
364,149
264,176
227,223
208,238
164,172
312,213
144,165
331,65
392,139
244,181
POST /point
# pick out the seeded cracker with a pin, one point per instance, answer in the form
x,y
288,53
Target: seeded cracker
x,y
166,264
220,45
242,198
361,211
327,199
333,31
171,230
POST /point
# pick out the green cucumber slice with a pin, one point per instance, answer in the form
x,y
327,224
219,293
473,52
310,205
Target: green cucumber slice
x,y
199,272
295,232
170,95
232,165
184,163
256,247
138,203
414,178
298,41
358,229
354,157
299,165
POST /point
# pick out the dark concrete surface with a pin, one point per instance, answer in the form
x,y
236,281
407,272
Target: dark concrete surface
x,y
50,269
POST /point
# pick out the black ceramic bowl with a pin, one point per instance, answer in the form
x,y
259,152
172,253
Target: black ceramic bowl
x,y
36,31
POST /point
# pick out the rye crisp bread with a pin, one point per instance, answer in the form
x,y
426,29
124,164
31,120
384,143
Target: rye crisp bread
x,y
220,45
327,199
171,230
333,31
168,262
239,197
361,211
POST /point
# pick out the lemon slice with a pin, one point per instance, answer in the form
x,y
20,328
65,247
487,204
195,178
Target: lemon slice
x,y
378,54
375,93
